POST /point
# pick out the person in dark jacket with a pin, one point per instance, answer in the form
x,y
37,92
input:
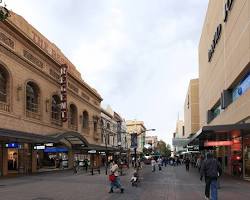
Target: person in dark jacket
x,y
210,169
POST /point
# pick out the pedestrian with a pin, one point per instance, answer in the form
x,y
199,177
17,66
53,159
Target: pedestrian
x,y
75,165
153,163
159,162
114,171
187,163
210,169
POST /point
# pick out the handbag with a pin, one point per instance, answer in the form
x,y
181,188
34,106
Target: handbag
x,y
112,178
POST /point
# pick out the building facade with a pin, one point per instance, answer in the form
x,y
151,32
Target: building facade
x,y
179,140
32,85
224,84
134,126
152,140
191,109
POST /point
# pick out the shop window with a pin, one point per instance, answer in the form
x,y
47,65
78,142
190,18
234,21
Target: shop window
x,y
32,97
55,108
73,117
85,120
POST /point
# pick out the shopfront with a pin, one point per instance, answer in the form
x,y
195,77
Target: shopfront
x,y
246,156
231,146
52,157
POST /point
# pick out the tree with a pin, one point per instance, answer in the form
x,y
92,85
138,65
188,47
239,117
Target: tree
x,y
163,149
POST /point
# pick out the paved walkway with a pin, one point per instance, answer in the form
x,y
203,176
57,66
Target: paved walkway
x,y
172,183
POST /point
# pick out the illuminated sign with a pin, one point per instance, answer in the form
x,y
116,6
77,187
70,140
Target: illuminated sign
x,y
63,82
49,145
12,145
217,143
40,147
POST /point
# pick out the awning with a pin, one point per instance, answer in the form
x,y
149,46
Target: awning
x,y
74,138
218,132
99,148
15,136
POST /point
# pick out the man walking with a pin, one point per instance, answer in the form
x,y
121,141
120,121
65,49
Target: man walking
x,y
210,169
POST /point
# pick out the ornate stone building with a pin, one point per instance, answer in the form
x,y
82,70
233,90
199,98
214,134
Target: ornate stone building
x,y
32,132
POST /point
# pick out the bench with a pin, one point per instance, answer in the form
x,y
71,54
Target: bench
x,y
94,169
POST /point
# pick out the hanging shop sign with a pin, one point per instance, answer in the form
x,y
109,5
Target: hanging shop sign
x,y
217,34
63,82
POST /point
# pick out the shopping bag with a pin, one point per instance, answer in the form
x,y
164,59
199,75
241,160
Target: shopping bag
x,y
111,177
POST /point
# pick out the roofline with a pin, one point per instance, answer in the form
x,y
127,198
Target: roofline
x,y
22,33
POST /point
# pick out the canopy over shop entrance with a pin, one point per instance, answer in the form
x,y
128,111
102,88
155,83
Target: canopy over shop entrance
x,y
219,133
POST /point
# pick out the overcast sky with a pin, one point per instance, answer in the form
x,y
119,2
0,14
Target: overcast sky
x,y
138,54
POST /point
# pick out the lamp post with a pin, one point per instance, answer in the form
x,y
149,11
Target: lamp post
x,y
135,143
120,155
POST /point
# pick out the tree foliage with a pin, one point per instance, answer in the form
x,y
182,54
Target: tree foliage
x,y
163,148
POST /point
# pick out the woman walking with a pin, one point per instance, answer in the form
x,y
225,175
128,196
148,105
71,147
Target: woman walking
x,y
114,178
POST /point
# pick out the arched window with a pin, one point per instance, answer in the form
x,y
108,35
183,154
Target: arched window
x,y
85,120
32,97
73,117
3,84
55,108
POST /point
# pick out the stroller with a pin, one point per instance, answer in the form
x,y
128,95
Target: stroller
x,y
135,179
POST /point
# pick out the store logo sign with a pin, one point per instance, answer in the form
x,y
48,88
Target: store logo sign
x,y
227,8
215,41
63,82
217,34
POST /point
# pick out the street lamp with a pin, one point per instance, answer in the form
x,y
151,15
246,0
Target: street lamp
x,y
135,143
119,144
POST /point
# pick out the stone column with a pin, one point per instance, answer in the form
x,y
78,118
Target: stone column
x,y
34,161
5,162
70,158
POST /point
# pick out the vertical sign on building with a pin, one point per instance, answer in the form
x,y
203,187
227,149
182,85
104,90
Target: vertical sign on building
x,y
133,140
63,82
119,136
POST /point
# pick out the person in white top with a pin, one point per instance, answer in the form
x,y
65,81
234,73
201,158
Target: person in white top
x,y
153,163
159,162
114,170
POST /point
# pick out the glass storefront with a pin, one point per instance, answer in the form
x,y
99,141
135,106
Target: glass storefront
x,y
52,158
246,155
236,157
